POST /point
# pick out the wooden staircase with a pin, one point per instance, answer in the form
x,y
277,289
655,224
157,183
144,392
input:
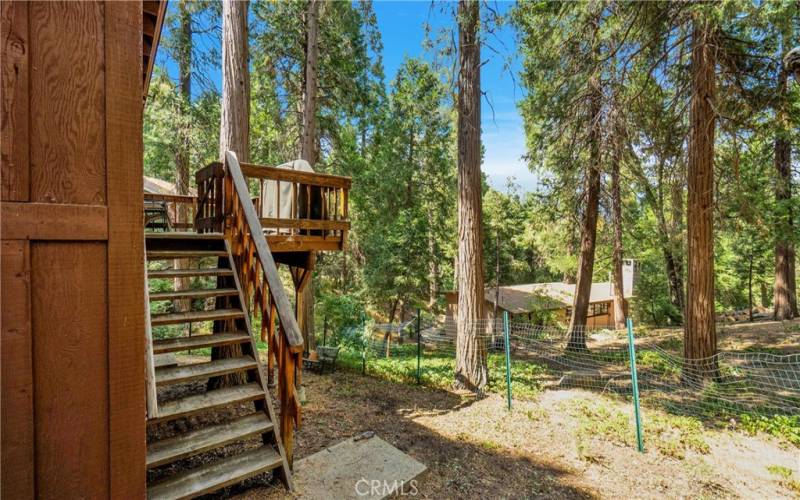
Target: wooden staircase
x,y
214,434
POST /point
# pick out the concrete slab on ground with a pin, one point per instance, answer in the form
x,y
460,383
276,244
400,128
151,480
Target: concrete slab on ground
x,y
360,467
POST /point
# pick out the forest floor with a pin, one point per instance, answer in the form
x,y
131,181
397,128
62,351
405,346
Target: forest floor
x,y
554,443
565,444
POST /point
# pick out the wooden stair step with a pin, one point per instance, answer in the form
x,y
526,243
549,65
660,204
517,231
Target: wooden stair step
x,y
184,254
189,273
182,235
183,373
190,405
196,293
200,440
199,342
218,474
195,316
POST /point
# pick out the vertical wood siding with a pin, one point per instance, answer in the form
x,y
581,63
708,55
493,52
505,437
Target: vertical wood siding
x,y
72,299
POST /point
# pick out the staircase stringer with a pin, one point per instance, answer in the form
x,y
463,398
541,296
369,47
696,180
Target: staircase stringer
x,y
286,476
149,358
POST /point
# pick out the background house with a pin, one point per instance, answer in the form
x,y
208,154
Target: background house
x,y
539,301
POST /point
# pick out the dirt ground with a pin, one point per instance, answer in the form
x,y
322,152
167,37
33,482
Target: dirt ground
x,y
561,444
477,448
776,337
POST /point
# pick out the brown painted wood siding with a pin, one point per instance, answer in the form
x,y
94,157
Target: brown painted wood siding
x,y
72,251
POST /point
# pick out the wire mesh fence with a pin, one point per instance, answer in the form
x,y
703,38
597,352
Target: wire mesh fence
x,y
727,385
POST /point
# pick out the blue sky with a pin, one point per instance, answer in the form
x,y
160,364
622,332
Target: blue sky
x,y
401,24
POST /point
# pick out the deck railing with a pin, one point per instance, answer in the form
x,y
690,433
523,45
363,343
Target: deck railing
x,y
224,205
316,205
169,212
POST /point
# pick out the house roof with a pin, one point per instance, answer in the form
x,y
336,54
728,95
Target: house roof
x,y
519,299
159,186
153,13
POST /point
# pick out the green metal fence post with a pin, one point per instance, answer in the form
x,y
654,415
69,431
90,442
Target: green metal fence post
x,y
635,386
508,357
419,343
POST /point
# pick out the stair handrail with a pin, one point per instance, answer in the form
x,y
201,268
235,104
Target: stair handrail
x,y
225,205
284,308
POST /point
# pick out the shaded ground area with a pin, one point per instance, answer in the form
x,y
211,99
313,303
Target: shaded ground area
x,y
346,404
565,444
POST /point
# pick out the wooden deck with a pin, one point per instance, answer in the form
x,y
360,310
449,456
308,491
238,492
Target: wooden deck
x,y
314,219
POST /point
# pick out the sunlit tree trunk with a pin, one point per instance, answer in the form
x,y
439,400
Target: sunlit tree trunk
x,y
235,123
471,371
308,152
583,286
785,298
183,53
234,126
700,336
616,215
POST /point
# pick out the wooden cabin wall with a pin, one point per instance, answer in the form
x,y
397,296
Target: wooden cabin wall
x,y
73,407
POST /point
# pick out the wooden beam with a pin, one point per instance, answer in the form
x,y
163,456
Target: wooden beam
x,y
302,243
298,176
160,14
51,221
127,447
174,198
327,225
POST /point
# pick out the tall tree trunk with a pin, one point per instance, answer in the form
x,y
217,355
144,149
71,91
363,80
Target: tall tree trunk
x,y
308,152
235,124
700,336
616,214
471,370
234,127
583,287
309,126
785,298
183,53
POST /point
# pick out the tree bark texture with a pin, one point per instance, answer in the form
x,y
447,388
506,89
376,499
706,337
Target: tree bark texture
x,y
700,336
471,370
784,296
234,128
235,124
616,215
183,53
583,286
308,152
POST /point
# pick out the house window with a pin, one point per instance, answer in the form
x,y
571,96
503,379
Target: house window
x,y
598,309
